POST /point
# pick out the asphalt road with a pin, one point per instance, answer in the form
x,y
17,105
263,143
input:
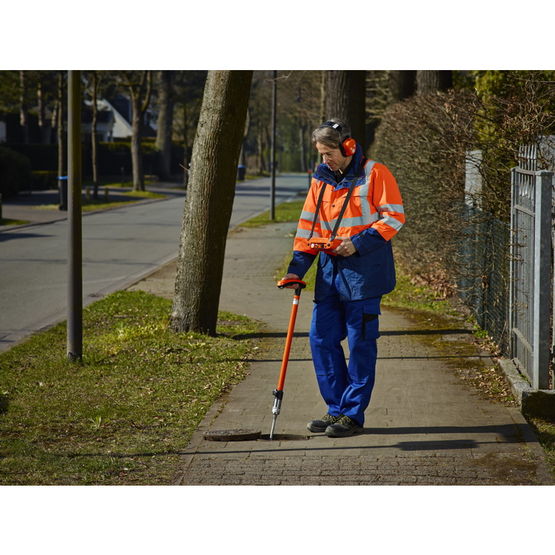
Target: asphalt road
x,y
120,246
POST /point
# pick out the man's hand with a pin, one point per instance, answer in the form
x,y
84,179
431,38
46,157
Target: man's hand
x,y
290,276
346,248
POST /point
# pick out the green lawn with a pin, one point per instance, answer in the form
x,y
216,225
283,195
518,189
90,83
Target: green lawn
x,y
103,201
8,221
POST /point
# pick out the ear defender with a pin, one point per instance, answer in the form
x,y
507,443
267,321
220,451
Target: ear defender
x,y
349,146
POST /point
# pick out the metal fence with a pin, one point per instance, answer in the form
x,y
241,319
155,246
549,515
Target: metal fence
x,y
530,309
484,282
508,278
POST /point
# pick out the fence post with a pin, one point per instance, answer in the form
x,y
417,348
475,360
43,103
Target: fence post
x,y
542,280
553,279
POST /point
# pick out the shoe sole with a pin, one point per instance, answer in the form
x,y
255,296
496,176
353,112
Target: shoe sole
x,y
316,430
344,434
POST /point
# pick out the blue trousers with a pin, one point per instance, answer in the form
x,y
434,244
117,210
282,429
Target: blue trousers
x,y
346,388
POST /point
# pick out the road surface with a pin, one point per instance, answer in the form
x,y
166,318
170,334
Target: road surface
x,y
120,246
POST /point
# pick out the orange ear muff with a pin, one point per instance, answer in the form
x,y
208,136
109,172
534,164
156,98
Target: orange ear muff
x,y
348,147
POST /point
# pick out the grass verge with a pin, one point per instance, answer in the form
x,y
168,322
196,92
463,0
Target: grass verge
x,y
8,221
103,202
122,415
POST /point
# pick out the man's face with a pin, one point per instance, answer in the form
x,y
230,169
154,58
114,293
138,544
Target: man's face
x,y
332,157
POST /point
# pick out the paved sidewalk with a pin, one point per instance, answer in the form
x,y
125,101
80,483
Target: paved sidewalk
x,y
423,426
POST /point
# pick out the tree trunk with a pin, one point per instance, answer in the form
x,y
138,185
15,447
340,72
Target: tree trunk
x,y
136,154
209,201
323,78
140,100
94,139
164,123
23,119
44,128
242,153
345,100
60,123
185,148
302,149
402,84
429,82
261,152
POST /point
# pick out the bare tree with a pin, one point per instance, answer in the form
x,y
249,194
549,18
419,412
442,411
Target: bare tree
x,y
94,139
164,122
209,201
402,84
59,119
345,99
433,81
23,115
188,88
41,106
139,86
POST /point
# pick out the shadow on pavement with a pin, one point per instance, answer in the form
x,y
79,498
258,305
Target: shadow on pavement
x,y
263,335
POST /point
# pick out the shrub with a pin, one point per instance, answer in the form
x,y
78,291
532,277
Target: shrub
x,y
15,172
423,140
44,179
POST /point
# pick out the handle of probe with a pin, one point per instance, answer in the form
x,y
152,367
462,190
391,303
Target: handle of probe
x,y
299,284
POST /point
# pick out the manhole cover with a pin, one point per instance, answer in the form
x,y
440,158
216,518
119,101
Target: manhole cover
x,y
231,435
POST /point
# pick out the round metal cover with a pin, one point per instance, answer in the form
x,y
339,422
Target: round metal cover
x,y
231,435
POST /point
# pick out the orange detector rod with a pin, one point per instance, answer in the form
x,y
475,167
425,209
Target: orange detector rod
x,y
278,391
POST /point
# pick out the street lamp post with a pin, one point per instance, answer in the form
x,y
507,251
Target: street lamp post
x,y
75,271
273,186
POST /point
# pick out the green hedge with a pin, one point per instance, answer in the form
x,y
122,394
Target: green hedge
x,y
15,172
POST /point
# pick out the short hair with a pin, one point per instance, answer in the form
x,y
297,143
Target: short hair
x,y
331,136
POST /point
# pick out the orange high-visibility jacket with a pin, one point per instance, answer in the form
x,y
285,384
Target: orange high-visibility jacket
x,y
372,217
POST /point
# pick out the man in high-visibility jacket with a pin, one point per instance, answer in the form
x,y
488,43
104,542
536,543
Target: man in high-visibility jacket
x,y
355,202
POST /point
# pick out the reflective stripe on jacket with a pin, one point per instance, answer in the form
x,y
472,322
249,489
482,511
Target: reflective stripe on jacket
x,y
372,217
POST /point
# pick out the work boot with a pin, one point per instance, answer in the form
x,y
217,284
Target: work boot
x,y
343,427
321,425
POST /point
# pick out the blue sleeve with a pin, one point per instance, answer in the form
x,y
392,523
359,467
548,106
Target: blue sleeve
x,y
300,263
367,241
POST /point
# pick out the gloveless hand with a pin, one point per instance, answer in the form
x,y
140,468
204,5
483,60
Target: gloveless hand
x,y
291,276
346,248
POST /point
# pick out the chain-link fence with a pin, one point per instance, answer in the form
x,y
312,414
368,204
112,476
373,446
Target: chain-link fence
x,y
483,284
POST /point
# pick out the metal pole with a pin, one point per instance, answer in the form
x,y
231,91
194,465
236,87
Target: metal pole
x,y
542,276
273,186
553,282
512,254
75,278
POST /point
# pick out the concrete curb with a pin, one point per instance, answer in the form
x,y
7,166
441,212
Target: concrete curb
x,y
540,402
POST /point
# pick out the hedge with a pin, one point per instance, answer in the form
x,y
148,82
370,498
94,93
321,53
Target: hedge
x,y
15,172
114,158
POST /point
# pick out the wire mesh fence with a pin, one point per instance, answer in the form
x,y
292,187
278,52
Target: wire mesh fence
x,y
483,283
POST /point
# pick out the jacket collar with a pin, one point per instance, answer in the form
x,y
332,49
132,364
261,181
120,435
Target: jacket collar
x,y
355,169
